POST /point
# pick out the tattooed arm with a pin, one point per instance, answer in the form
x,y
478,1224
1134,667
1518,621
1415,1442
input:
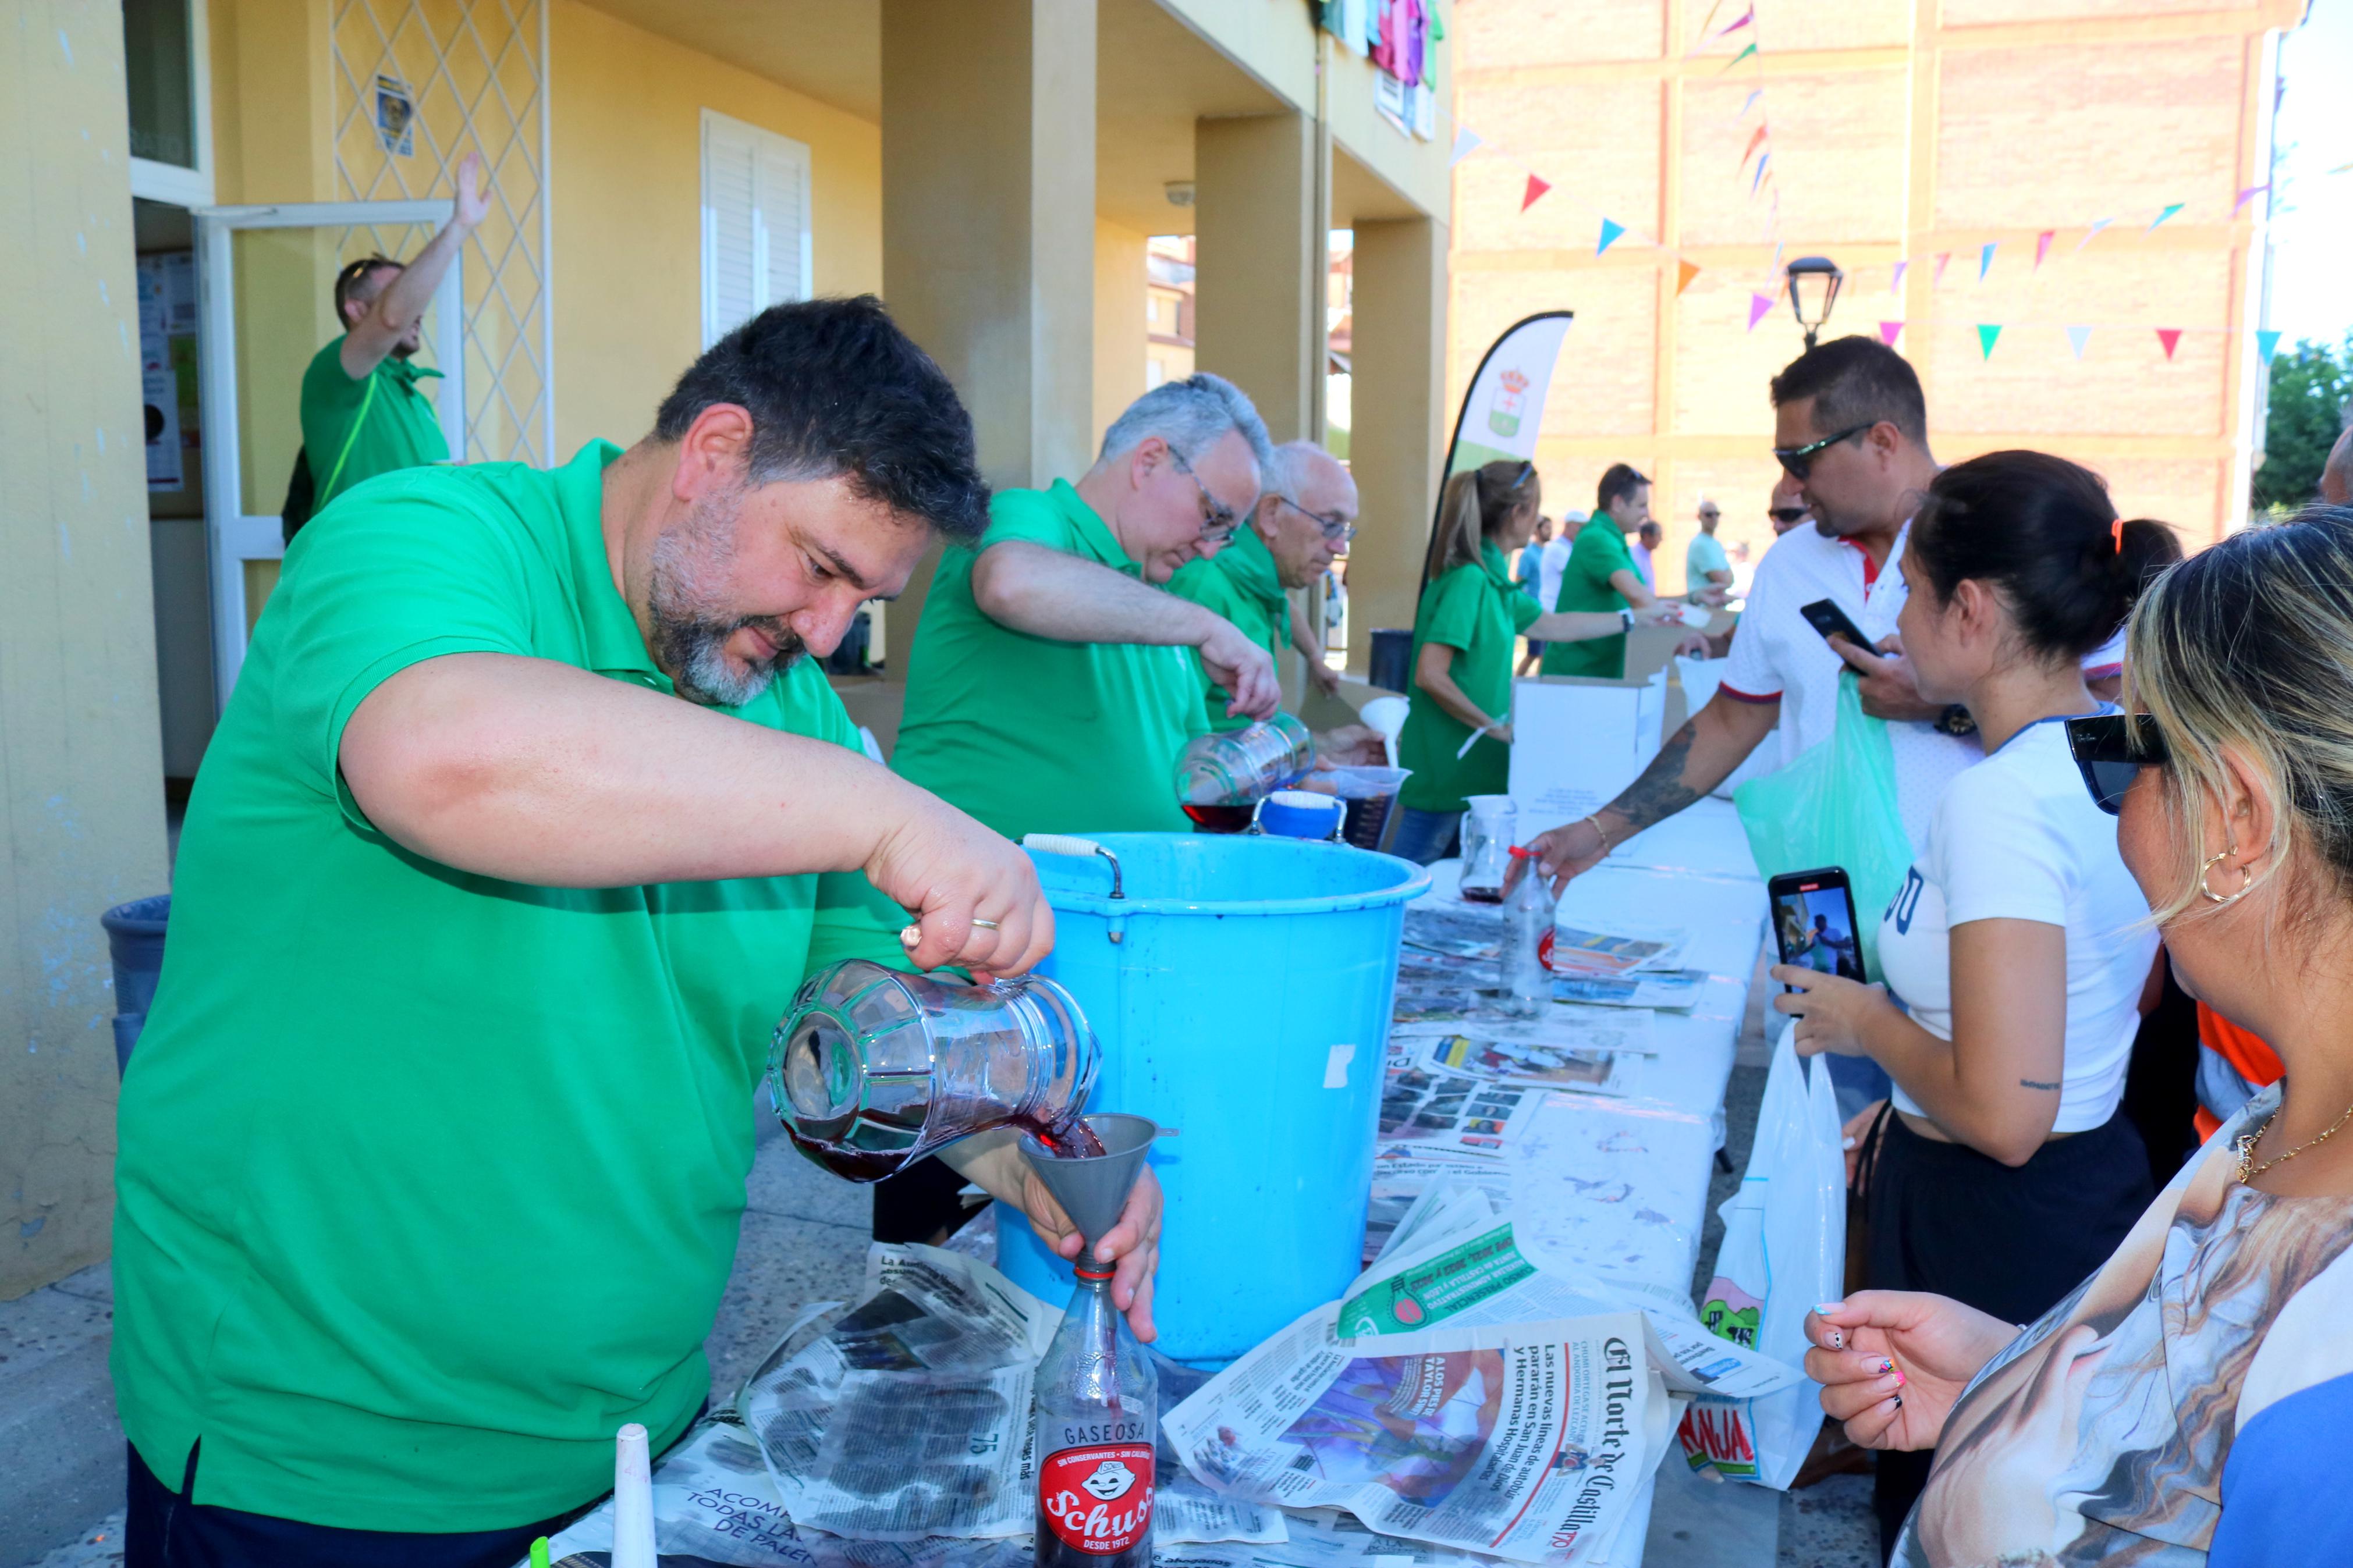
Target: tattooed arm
x,y
1696,759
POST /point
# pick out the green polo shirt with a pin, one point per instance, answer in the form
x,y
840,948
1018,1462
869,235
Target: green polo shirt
x,y
1477,610
1240,582
381,421
429,1182
1600,550
1031,735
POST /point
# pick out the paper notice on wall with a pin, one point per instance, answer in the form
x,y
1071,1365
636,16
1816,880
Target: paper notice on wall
x,y
1576,744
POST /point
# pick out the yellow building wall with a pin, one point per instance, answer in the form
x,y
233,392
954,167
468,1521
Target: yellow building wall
x,y
1122,334
627,182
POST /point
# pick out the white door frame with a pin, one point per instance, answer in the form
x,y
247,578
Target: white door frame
x,y
233,536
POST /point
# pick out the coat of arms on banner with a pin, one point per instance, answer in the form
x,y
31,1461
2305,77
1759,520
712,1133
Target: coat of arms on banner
x,y
1503,414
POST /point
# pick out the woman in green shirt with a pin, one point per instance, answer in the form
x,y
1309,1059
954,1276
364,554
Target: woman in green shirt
x,y
1470,615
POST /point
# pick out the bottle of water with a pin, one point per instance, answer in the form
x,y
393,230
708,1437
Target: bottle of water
x,y
1527,920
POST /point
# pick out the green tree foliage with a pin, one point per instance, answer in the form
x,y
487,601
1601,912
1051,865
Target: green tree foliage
x,y
2312,385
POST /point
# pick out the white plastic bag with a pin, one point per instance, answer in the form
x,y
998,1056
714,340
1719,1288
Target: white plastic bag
x,y
1784,1250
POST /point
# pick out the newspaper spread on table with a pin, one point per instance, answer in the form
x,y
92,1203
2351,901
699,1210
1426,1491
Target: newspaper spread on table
x,y
1675,989
909,1416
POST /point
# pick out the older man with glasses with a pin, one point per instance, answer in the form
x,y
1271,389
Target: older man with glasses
x,y
1054,681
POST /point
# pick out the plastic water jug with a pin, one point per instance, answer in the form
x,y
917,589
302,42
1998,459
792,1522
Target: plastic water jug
x,y
1240,767
874,1069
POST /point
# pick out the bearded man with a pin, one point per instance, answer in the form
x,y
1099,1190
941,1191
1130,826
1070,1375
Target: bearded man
x,y
525,820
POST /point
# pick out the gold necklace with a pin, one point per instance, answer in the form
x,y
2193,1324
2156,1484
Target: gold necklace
x,y
2245,1147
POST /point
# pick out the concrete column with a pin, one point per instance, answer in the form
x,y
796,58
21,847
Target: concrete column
x,y
82,766
1398,445
988,220
1260,223
1123,342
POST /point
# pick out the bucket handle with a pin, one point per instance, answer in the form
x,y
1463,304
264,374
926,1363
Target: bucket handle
x,y
1064,844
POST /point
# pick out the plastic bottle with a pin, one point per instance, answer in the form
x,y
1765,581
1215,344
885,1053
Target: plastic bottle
x,y
1242,767
1098,1406
1527,920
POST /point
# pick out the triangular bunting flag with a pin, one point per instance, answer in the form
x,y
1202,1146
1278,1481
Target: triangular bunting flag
x,y
1757,305
2094,232
2171,337
2250,193
1739,22
1737,58
1610,233
1709,20
1750,104
1537,187
1987,332
1943,259
1762,133
2078,337
2042,246
1896,282
2267,344
1888,331
1985,261
1466,142
1685,271
2160,217
1758,178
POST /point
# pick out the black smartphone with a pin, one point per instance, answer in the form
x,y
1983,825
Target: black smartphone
x,y
1828,618
1813,921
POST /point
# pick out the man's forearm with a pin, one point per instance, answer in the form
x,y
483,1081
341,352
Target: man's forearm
x,y
1694,760
1049,593
405,298
536,771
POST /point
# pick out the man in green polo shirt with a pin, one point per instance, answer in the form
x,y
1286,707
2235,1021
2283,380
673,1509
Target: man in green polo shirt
x,y
524,822
1052,682
1601,575
1303,521
364,410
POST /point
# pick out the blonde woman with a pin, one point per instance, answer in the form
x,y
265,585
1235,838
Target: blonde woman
x,y
1471,614
2195,1394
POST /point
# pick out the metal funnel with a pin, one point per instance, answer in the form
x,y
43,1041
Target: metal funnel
x,y
1092,1191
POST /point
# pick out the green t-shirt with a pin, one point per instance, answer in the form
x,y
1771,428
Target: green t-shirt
x,y
1031,735
429,1182
1240,582
397,426
1600,550
1477,610
1702,555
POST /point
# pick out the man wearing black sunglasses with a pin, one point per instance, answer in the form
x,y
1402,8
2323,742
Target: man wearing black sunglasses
x,y
364,412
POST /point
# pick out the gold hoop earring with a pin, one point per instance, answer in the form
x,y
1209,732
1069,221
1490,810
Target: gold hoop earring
x,y
2207,870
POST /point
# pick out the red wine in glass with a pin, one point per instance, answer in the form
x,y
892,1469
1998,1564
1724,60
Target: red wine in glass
x,y
1218,818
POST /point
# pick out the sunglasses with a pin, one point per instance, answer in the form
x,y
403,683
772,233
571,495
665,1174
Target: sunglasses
x,y
1337,530
2110,750
1799,460
1218,519
1788,514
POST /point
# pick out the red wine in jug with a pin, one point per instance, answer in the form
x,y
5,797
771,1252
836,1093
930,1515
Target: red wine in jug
x,y
1218,818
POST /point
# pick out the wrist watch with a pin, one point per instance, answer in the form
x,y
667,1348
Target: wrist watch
x,y
1626,617
1955,721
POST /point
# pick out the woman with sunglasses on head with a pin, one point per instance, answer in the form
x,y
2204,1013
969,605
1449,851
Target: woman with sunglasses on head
x,y
2189,1403
2018,951
1470,615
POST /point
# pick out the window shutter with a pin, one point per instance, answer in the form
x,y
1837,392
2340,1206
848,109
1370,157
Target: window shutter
x,y
755,228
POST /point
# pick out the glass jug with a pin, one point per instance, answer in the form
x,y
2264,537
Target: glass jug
x,y
1242,767
874,1069
1488,830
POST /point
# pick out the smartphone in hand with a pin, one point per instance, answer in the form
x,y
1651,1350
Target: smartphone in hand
x,y
1813,921
1827,620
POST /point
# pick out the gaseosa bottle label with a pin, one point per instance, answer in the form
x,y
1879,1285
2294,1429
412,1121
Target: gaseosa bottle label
x,y
1098,1500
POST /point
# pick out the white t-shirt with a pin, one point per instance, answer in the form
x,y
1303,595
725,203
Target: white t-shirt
x,y
1552,563
2017,837
1777,654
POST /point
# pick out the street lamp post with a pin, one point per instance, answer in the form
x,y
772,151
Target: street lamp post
x,y
1813,289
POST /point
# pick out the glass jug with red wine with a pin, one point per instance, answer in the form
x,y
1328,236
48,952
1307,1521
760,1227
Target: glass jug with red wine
x,y
872,1068
1221,776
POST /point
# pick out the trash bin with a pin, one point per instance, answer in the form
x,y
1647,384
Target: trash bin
x,y
1391,658
1240,990
134,940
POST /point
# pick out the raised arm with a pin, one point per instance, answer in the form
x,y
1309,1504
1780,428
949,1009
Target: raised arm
x,y
397,310
1632,589
1051,593
1696,759
534,771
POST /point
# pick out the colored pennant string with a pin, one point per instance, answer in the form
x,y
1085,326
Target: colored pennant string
x,y
2171,337
2267,344
1754,143
1736,24
1737,58
1985,261
2042,246
1988,334
1759,304
1685,271
1610,233
1895,283
1888,331
2250,193
1759,178
1466,142
1749,104
2077,337
1537,187
2093,233
1943,259
2160,217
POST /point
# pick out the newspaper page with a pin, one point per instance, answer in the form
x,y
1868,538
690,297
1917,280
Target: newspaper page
x,y
1675,989
1424,1105
1502,1064
1579,949
1456,930
909,1417
1557,1025
1613,1188
1515,1439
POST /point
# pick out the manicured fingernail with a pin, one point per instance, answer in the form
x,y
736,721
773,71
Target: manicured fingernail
x,y
1846,1144
1827,1307
1886,1365
1837,1339
1899,1380
1899,1402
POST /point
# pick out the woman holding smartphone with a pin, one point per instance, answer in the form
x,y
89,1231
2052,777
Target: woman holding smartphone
x,y
2019,949
2188,1403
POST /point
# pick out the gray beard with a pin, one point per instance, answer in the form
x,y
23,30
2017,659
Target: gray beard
x,y
688,639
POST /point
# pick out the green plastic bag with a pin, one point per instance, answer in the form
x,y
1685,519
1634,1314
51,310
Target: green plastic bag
x,y
1835,805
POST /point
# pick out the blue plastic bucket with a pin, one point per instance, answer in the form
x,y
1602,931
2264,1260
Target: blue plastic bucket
x,y
134,940
1240,990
